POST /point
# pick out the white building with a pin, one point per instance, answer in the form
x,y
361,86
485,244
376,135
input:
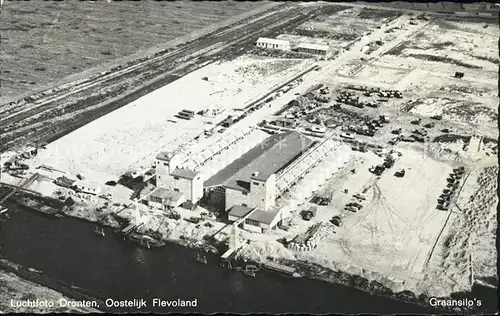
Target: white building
x,y
316,49
172,177
271,43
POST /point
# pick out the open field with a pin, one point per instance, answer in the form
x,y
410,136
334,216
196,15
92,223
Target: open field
x,y
45,41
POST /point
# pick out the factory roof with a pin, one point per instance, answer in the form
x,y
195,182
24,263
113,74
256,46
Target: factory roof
x,y
258,215
184,173
313,46
87,184
272,41
273,154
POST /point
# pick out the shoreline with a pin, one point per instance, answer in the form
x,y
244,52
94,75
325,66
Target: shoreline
x,y
39,278
307,270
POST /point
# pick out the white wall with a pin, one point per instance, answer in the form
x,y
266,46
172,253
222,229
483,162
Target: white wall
x,y
184,186
197,188
270,196
156,205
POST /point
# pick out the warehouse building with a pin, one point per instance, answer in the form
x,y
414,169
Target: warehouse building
x,y
316,49
87,187
271,43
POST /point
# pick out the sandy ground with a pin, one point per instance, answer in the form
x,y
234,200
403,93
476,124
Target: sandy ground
x,y
14,288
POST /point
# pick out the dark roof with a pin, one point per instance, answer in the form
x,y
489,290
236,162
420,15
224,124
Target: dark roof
x,y
267,158
258,215
184,173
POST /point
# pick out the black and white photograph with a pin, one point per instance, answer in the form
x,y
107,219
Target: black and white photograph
x,y
249,157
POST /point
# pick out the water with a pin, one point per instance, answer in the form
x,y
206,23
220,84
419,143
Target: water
x,y
68,250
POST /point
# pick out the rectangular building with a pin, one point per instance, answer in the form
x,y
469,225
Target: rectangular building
x,y
271,43
171,175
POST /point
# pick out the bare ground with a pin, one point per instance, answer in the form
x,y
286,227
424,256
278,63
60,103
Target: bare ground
x,y
44,41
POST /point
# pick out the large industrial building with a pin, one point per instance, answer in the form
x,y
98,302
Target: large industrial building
x,y
271,43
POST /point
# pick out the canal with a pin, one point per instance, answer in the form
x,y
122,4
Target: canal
x,y
68,250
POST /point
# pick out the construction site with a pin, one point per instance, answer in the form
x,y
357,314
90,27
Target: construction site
x,y
370,152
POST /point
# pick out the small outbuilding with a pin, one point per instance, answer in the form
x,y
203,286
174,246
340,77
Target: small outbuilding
x,y
459,75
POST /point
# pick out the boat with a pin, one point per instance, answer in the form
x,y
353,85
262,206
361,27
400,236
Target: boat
x,y
251,270
202,259
145,240
99,232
